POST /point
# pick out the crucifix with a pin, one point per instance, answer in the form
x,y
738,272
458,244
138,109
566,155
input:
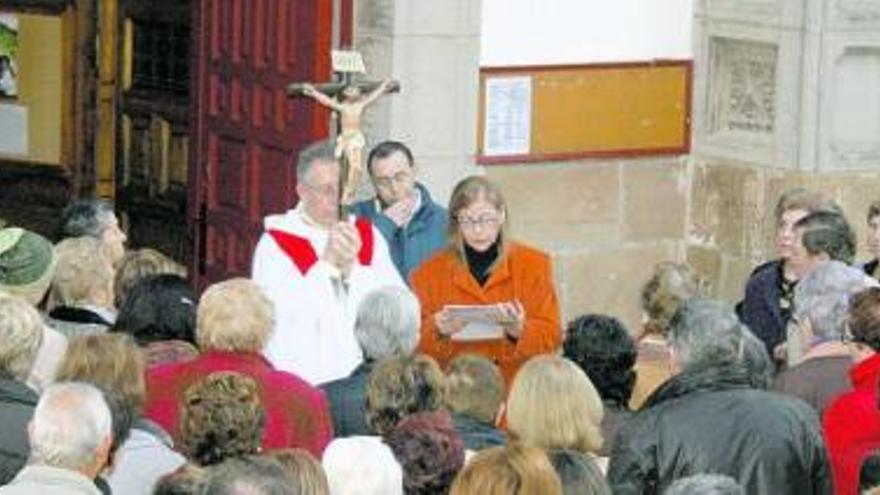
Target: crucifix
x,y
348,98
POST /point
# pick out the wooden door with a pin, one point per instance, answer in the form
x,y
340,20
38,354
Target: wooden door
x,y
153,131
246,130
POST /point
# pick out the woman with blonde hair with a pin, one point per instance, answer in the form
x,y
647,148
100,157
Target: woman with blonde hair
x,y
139,264
669,287
515,469
234,321
553,405
484,266
21,333
113,363
305,472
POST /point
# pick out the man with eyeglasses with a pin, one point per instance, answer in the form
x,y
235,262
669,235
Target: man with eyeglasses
x,y
411,222
316,269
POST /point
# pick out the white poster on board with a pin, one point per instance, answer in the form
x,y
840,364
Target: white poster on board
x,y
13,129
508,122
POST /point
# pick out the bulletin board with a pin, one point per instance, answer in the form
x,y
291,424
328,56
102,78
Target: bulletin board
x,y
35,111
547,113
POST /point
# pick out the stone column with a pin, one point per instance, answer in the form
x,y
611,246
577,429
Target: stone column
x,y
433,48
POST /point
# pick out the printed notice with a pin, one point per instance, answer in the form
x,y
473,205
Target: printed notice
x,y
13,129
508,125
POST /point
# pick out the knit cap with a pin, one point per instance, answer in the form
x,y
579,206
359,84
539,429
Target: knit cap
x,y
27,261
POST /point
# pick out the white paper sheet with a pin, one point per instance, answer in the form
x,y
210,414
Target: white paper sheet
x,y
482,322
508,124
13,129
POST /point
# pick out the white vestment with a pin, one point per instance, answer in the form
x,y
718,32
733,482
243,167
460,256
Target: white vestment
x,y
315,307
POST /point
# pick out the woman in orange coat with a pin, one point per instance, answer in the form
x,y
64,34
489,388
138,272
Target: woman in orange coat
x,y
482,266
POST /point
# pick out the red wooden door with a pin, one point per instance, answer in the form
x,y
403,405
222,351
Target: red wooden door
x,y
246,130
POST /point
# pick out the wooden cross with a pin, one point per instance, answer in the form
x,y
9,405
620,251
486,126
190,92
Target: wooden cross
x,y
348,98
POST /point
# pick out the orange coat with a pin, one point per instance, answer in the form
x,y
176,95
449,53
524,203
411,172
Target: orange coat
x,y
524,274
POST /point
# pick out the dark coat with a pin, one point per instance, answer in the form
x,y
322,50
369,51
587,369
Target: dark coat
x,y
17,403
476,434
415,242
615,416
712,420
871,266
760,310
817,381
347,399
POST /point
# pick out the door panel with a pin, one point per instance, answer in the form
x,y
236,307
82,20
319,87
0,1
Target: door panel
x,y
246,130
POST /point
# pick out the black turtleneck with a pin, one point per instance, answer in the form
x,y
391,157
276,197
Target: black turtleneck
x,y
479,263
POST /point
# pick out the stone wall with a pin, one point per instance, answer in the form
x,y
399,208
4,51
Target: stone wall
x,y
731,224
607,222
433,48
785,95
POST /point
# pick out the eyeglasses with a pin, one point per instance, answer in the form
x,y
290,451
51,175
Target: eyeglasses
x,y
482,222
398,178
325,191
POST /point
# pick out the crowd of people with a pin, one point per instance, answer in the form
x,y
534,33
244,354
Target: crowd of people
x,y
406,348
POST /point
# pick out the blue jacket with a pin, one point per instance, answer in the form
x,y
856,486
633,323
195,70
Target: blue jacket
x,y
418,240
347,398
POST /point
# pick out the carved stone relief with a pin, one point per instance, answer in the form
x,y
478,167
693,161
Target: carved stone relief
x,y
743,78
859,10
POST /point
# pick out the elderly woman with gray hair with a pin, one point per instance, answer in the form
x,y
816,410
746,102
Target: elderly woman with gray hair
x,y
21,332
818,357
387,325
694,423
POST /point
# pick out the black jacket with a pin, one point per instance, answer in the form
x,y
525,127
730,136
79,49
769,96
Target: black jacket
x,y
17,403
871,266
760,309
711,420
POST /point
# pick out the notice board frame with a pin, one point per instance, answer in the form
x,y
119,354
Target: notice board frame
x,y
583,85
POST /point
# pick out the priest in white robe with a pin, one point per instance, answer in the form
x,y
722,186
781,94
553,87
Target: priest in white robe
x,y
316,269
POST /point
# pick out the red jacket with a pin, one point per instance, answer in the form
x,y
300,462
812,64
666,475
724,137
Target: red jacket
x,y
524,274
296,413
852,426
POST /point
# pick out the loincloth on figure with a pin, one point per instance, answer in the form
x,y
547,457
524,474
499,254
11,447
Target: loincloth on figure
x,y
349,141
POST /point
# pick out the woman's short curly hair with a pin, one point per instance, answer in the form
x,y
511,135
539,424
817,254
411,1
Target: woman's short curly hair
x,y
864,318
138,264
601,346
400,386
474,387
234,316
21,334
222,417
110,361
429,450
670,285
84,267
